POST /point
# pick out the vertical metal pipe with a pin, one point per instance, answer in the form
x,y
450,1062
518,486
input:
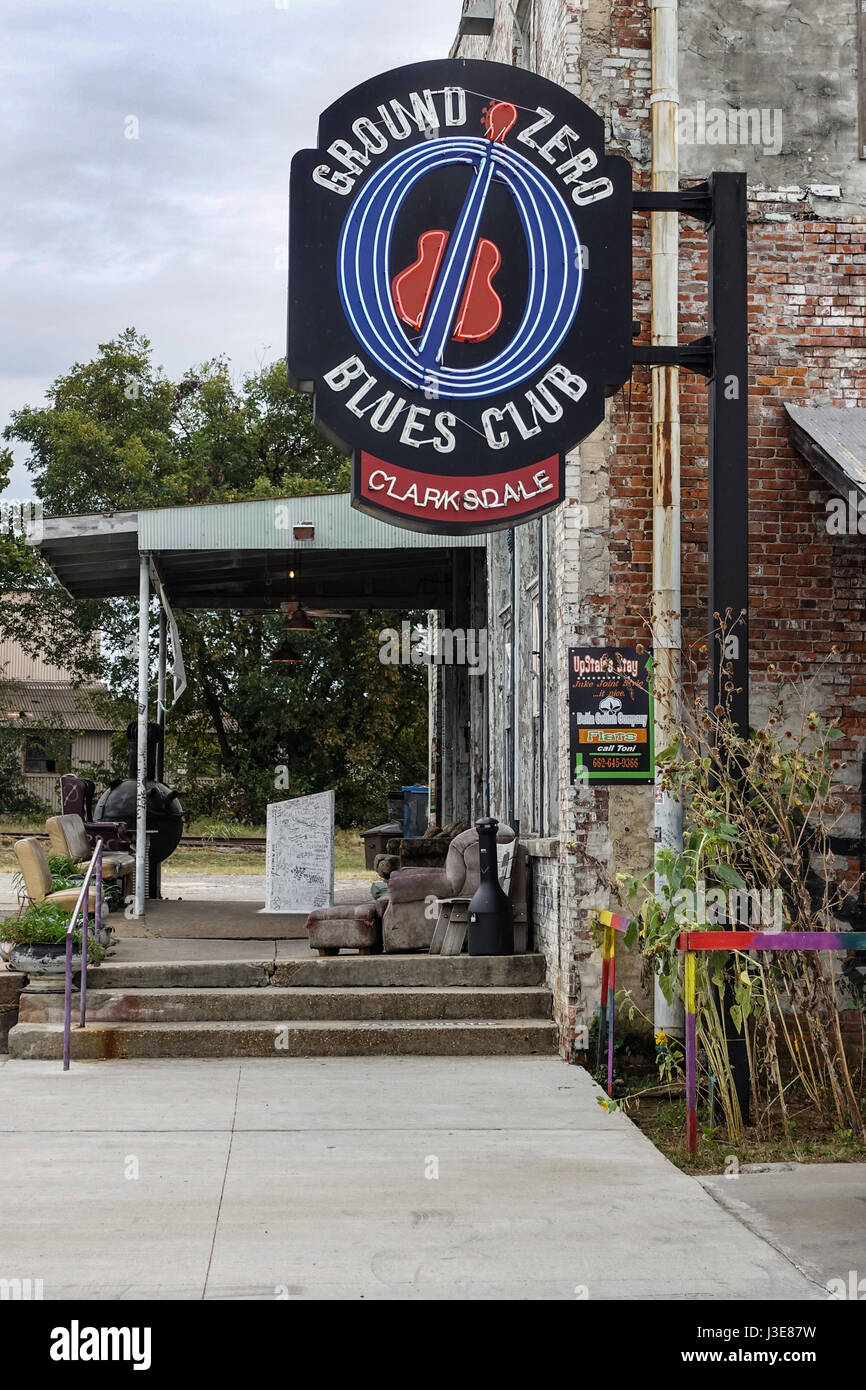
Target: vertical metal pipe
x,y
516,779
611,1008
67,1001
486,705
81,904
691,1053
542,677
160,695
728,588
141,761
485,800
432,720
97,930
510,758
664,228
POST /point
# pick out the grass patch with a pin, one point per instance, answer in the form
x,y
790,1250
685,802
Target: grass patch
x,y
348,859
663,1120
659,1111
348,852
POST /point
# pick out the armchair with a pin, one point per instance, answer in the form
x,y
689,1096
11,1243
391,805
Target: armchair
x,y
76,795
418,851
408,924
68,836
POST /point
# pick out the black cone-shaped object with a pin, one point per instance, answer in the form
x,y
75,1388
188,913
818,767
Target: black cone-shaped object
x,y
491,922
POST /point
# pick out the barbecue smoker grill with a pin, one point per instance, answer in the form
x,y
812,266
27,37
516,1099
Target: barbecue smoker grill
x,y
164,811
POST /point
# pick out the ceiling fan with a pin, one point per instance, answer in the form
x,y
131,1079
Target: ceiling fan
x,y
293,606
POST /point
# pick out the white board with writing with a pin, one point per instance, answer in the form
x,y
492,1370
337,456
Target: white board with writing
x,y
300,854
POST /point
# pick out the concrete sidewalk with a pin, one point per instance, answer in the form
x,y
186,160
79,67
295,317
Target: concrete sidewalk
x,y
814,1213
202,887
349,1178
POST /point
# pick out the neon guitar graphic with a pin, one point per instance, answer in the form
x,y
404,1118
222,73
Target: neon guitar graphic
x,y
406,322
447,293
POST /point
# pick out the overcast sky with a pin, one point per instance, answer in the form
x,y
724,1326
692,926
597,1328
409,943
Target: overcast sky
x,y
181,232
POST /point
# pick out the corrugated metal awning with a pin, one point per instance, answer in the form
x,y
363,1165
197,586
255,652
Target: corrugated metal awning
x,y
833,439
269,525
239,555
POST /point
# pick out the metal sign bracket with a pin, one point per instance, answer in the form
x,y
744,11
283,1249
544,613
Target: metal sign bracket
x,y
721,357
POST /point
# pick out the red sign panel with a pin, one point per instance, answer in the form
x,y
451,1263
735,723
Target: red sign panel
x,y
451,502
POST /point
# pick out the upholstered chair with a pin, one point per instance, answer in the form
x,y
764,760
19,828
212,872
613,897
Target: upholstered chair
x,y
77,795
410,917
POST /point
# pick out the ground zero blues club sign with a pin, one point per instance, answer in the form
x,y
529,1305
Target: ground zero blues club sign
x,y
459,289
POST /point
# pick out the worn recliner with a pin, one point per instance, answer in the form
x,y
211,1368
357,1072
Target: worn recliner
x,y
69,838
408,923
77,795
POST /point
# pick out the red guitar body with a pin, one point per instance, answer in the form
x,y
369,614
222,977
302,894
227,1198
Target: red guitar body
x,y
480,311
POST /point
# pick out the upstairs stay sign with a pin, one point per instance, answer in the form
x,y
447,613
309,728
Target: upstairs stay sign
x,y
459,289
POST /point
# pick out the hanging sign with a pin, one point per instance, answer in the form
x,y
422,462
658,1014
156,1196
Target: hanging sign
x,y
459,289
610,715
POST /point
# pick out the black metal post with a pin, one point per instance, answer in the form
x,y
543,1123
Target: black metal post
x,y
728,595
723,357
729,448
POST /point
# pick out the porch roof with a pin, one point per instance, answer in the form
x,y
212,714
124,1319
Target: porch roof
x,y
239,554
833,439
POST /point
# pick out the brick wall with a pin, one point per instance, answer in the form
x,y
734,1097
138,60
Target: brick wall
x,y
807,291
807,304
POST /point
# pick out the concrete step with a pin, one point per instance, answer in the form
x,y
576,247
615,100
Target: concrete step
x,y
330,972
282,1004
404,1037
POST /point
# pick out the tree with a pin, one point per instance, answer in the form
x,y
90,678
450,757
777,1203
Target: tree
x,y
117,434
339,718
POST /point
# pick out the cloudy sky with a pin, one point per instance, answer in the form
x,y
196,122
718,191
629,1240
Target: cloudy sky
x,y
181,231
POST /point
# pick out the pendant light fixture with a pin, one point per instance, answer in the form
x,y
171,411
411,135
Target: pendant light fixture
x,y
285,655
300,621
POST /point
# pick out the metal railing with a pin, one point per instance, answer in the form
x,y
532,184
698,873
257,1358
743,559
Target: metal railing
x,y
95,865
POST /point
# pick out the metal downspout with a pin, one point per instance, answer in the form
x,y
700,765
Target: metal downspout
x,y
666,603
141,763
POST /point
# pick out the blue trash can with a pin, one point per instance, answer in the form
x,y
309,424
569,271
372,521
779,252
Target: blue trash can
x,y
415,801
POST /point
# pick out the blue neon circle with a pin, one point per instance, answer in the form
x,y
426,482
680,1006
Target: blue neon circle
x,y
555,269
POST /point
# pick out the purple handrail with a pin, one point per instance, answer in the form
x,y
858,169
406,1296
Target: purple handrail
x,y
95,863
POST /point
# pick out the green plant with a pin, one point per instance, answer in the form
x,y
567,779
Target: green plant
x,y
15,797
758,814
64,872
61,866
46,924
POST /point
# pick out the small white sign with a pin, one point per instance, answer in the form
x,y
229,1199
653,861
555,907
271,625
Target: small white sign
x,y
300,854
